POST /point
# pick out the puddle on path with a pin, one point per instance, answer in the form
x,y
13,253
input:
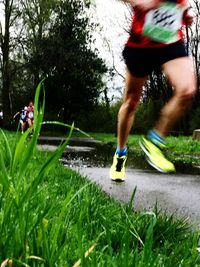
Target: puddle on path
x,y
91,153
101,156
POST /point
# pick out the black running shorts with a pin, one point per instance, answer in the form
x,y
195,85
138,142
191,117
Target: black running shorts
x,y
142,61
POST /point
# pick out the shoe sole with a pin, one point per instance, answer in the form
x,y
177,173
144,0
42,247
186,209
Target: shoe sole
x,y
118,180
149,160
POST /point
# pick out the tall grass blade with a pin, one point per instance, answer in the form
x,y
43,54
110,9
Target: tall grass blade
x,y
65,125
37,127
130,205
46,167
19,150
36,103
7,146
149,237
56,228
134,231
4,178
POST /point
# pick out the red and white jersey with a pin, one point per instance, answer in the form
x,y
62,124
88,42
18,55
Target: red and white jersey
x,y
30,112
158,27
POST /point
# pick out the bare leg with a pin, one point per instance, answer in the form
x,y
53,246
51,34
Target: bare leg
x,y
182,77
30,124
23,126
133,91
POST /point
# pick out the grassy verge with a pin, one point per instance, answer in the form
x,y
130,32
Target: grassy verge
x,y
180,149
66,216
55,220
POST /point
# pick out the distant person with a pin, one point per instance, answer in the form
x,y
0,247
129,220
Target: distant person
x,y
23,118
156,41
1,117
30,114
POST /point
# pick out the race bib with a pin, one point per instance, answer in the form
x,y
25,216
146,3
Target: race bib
x,y
30,115
162,24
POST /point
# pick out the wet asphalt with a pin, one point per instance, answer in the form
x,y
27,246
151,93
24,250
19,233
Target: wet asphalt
x,y
175,193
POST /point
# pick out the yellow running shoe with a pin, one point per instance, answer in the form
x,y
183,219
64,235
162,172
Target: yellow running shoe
x,y
117,170
155,157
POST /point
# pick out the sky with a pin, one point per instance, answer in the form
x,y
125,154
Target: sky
x,y
1,15
113,16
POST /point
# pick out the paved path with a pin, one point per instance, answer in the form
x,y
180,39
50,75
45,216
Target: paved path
x,y
73,141
179,194
175,193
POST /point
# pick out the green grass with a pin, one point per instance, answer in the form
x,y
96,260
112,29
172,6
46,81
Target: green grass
x,y
181,144
50,216
66,215
182,149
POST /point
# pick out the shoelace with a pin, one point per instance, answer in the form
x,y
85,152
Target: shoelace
x,y
119,164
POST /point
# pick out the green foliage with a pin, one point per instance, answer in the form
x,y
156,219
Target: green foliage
x,y
184,144
20,186
104,119
57,43
73,69
100,119
145,117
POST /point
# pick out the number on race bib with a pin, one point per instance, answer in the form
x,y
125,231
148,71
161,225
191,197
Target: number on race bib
x,y
164,18
30,115
162,24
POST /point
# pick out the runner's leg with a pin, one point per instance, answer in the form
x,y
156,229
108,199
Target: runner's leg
x,y
133,91
29,123
23,126
181,75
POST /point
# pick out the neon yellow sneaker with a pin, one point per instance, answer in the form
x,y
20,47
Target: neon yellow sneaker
x,y
155,157
117,170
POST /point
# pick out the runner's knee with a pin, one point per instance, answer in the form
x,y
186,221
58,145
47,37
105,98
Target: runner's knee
x,y
131,104
187,93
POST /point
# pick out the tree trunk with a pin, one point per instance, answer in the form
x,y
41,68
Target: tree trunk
x,y
6,97
5,45
196,134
